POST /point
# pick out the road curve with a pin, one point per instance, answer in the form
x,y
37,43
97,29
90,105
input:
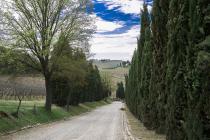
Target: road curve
x,y
104,123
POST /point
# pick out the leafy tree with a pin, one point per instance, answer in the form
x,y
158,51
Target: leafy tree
x,y
97,87
107,84
35,27
69,73
75,79
10,64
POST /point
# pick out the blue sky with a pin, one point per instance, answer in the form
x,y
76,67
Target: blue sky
x,y
118,27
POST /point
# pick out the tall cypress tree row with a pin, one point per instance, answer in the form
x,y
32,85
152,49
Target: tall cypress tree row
x,y
198,66
176,52
145,23
171,68
132,85
146,64
160,38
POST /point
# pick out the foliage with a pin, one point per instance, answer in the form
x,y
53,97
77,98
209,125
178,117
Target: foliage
x,y
10,62
175,75
167,87
75,79
120,93
37,26
159,60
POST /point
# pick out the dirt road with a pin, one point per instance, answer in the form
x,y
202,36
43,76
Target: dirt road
x,y
104,123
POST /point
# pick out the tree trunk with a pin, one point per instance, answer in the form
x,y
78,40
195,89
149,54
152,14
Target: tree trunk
x,y
68,100
67,104
17,112
48,86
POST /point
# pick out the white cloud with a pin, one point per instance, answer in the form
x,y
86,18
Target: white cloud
x,y
106,26
126,6
115,46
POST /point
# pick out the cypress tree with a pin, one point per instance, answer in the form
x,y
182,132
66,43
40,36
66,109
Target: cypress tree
x,y
171,69
120,92
176,52
198,76
145,23
131,85
145,99
134,83
160,38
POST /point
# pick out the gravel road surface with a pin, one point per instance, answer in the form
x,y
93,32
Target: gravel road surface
x,y
104,123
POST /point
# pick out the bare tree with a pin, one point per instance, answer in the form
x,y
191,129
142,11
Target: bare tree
x,y
35,26
20,98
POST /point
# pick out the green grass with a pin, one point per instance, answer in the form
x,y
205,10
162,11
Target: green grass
x,y
28,118
138,130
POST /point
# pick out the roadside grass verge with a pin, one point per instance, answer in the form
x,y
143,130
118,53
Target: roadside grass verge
x,y
28,117
138,131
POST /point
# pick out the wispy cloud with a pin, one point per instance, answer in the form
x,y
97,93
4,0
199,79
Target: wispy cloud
x,y
117,28
125,6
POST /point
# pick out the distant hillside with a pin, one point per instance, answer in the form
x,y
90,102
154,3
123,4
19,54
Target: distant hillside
x,y
116,75
107,64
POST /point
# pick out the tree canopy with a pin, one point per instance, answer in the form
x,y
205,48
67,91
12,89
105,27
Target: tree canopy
x,y
35,27
167,87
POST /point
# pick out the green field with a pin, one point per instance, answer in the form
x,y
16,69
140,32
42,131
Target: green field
x,y
28,117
